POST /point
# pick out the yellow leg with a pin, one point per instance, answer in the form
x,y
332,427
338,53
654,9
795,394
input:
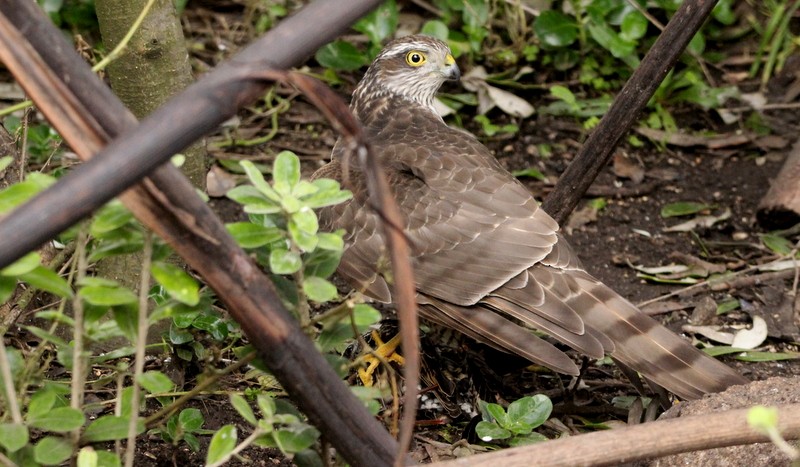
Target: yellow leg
x,y
386,350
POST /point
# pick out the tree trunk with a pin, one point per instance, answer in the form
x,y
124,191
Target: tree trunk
x,y
153,67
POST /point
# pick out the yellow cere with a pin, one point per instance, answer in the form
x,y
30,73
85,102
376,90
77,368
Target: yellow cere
x,y
449,60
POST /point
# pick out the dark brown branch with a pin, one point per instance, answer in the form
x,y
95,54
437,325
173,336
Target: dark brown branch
x,y
646,441
630,102
87,116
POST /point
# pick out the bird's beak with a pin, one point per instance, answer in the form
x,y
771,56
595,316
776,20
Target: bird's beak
x,y
451,72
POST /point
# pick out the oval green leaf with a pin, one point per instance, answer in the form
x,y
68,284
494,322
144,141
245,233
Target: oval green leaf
x,y
108,296
52,450
683,208
178,284
59,420
110,428
222,443
555,29
341,55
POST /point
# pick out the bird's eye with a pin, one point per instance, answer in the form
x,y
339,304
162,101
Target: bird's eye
x,y
416,58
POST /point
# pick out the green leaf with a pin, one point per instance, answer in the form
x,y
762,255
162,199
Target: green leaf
x,y
727,306
127,319
285,172
763,418
13,436
611,41
156,382
25,264
498,414
305,220
683,208
178,336
110,428
52,450
436,29
87,457
751,356
59,420
240,404
365,316
330,241
257,179
7,287
555,29
380,23
222,443
192,441
178,284
634,26
291,441
524,440
319,290
778,244
266,404
530,411
41,403
107,459
284,261
190,420
108,296
19,193
253,200
5,161
529,172
47,280
341,55
111,217
488,431
329,193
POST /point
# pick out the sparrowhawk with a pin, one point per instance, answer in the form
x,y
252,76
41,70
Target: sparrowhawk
x,y
488,261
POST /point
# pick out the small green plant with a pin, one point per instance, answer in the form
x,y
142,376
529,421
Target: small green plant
x,y
491,129
341,55
184,426
514,427
278,426
765,420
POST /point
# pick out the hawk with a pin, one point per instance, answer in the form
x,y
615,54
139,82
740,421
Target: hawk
x,y
488,261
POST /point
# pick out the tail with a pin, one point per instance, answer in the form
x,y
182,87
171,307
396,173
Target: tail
x,y
583,313
651,349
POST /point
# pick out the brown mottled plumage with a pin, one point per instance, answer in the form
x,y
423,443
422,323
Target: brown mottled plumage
x,y
488,261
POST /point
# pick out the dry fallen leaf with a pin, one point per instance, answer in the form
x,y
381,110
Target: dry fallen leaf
x,y
626,167
753,337
218,182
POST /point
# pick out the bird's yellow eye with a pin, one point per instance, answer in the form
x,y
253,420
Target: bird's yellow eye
x,y
416,58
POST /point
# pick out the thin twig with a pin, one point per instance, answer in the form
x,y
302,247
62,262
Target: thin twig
x,y
123,44
78,360
141,342
8,384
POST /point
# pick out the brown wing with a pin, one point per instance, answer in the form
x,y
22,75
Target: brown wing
x,y
472,226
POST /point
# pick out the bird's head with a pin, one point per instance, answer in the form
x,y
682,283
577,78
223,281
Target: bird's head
x,y
412,67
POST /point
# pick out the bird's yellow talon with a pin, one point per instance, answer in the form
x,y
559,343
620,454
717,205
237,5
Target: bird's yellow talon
x,y
386,351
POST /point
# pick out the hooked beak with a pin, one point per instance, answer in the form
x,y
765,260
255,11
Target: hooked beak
x,y
451,72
